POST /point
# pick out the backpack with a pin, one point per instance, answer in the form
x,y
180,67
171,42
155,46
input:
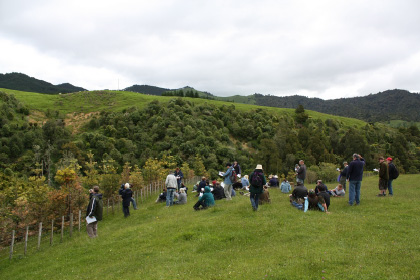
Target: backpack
x,y
396,173
99,209
233,176
256,180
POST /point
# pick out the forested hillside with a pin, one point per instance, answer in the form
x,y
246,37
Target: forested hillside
x,y
383,106
19,81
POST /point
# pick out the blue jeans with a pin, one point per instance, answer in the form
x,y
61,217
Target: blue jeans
x,y
354,192
254,200
390,187
134,203
170,193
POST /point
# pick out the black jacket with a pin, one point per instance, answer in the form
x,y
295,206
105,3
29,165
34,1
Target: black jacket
x,y
95,206
126,197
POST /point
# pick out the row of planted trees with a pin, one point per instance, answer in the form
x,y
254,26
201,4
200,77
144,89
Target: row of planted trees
x,y
28,202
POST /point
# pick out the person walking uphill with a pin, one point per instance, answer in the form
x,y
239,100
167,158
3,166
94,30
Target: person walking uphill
x,y
126,196
354,177
257,180
94,210
228,181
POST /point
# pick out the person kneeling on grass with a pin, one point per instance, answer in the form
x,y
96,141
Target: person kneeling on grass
x,y
205,201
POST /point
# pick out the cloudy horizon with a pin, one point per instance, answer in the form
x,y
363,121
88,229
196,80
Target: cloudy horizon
x,y
324,49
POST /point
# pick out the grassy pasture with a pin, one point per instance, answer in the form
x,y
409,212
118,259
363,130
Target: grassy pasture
x,y
376,240
96,101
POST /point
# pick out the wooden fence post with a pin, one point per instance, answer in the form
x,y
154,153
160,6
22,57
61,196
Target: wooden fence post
x,y
141,195
11,245
26,240
112,205
39,235
52,232
107,208
71,224
80,218
62,228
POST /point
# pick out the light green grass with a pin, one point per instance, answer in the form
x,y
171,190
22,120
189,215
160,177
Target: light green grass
x,y
96,101
376,240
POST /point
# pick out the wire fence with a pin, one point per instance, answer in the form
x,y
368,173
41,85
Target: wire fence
x,y
32,238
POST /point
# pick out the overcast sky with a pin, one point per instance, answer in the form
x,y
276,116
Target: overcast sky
x,y
326,49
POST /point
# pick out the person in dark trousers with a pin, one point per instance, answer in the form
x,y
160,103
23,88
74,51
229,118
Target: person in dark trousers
x,y
393,174
126,196
133,201
237,168
355,177
326,196
205,201
343,175
383,176
179,176
257,181
94,209
301,172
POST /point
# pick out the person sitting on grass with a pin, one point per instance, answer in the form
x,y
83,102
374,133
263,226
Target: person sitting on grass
x,y
338,191
205,201
264,196
316,202
218,191
162,196
318,184
285,186
297,198
182,197
326,196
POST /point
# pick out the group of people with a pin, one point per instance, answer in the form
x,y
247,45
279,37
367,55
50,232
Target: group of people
x,y
256,184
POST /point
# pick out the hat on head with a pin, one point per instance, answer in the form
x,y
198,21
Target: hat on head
x,y
275,176
390,159
259,166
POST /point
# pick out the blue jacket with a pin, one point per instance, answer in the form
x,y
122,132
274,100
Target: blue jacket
x,y
227,175
207,197
355,171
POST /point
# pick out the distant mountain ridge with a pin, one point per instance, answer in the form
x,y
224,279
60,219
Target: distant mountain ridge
x,y
19,81
396,104
388,105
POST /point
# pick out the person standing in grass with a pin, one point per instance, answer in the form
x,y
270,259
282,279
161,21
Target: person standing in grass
x,y
383,177
171,186
343,175
94,210
179,176
393,174
228,181
126,196
355,177
301,172
257,180
205,201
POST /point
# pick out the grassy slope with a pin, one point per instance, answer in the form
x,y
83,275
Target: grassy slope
x,y
377,240
86,102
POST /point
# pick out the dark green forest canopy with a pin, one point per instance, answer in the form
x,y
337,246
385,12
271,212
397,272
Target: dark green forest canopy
x,y
216,133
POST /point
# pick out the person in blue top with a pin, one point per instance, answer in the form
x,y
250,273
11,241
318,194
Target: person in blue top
x,y
285,186
354,177
205,201
228,181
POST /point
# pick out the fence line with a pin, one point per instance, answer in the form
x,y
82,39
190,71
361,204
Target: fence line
x,y
144,193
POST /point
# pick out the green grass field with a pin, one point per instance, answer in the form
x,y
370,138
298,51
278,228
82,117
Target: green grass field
x,y
376,240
